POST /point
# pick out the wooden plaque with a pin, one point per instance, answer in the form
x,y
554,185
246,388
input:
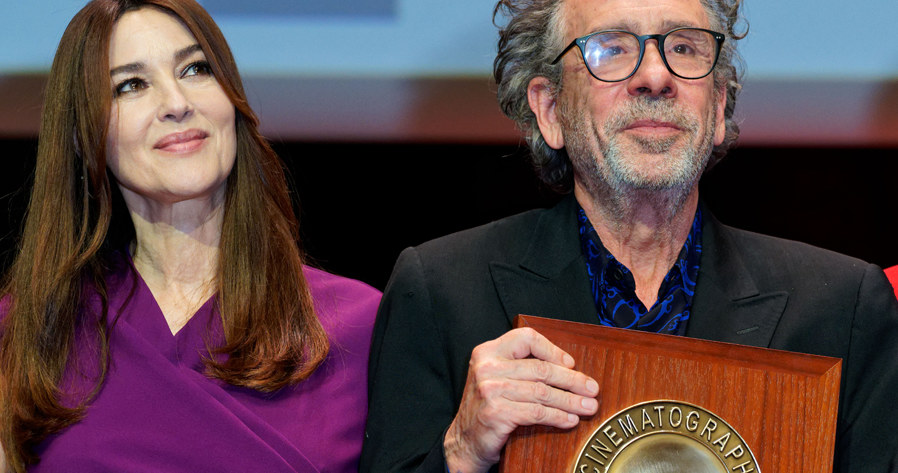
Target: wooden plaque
x,y
782,404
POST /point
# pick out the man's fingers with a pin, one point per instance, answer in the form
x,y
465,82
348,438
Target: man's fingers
x,y
525,342
520,378
541,393
528,413
554,375
536,371
500,359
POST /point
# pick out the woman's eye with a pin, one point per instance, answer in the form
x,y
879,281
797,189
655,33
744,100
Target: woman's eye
x,y
199,68
129,86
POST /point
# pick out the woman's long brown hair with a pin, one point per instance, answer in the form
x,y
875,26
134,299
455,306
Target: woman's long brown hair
x,y
75,222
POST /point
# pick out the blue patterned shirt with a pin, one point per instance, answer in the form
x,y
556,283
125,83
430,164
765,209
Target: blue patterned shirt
x,y
614,289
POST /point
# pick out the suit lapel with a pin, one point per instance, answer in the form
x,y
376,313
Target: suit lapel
x,y
550,280
728,306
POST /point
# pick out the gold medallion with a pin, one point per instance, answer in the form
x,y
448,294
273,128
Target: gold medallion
x,y
665,437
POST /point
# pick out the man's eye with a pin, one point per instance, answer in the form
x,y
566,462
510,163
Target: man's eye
x,y
129,86
613,51
682,49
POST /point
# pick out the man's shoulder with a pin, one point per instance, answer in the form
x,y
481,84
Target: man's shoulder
x,y
780,255
462,262
506,237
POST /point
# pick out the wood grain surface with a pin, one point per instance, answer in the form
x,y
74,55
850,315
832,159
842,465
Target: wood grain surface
x,y
782,404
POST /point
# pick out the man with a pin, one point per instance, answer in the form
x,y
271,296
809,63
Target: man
x,y
624,103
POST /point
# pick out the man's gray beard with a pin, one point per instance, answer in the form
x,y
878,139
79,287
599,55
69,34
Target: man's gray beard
x,y
620,178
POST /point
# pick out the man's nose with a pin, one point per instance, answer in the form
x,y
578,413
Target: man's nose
x,y
652,78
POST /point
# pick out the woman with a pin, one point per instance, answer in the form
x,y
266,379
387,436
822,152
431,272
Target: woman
x,y
158,316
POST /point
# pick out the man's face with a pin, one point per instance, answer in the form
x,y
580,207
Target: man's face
x,y
652,131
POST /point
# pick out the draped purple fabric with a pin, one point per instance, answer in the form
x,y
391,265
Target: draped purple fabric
x,y
156,412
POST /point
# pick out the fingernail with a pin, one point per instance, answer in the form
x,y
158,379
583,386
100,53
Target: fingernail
x,y
568,360
573,419
592,387
589,403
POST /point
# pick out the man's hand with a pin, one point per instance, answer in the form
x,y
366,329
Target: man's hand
x,y
520,378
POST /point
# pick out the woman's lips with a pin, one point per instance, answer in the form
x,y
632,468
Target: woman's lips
x,y
181,142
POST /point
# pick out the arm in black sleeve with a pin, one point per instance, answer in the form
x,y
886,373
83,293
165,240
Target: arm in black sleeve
x,y
869,439
411,402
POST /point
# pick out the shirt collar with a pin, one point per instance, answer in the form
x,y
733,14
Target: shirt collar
x,y
600,261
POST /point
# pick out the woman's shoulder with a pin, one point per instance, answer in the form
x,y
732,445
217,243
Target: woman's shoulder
x,y
326,285
346,307
318,280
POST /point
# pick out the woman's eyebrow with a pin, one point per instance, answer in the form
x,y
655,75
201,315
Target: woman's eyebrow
x,y
127,68
179,56
182,54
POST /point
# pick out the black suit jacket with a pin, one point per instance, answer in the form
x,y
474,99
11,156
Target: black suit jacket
x,y
449,295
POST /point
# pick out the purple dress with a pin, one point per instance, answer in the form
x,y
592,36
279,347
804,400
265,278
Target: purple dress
x,y
156,412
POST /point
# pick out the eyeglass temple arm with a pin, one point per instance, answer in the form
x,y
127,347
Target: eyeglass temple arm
x,y
568,48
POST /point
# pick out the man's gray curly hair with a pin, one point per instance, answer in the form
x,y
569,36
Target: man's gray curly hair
x,y
532,38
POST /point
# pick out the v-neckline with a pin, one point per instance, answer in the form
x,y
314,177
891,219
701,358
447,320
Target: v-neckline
x,y
186,346
144,286
202,310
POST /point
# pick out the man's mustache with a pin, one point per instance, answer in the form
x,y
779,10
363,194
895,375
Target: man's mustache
x,y
654,109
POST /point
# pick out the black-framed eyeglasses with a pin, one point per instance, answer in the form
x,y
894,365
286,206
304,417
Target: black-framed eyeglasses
x,y
615,55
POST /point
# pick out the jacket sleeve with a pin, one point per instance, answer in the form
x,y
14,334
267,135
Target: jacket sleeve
x,y
869,440
411,401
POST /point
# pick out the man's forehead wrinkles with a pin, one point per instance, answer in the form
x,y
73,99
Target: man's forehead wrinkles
x,y
589,16
636,27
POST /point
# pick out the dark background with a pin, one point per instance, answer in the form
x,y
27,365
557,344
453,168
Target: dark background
x,y
362,203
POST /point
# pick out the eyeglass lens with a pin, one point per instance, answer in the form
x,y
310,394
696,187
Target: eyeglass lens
x,y
613,56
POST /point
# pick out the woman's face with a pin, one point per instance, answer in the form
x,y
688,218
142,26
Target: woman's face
x,y
171,131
